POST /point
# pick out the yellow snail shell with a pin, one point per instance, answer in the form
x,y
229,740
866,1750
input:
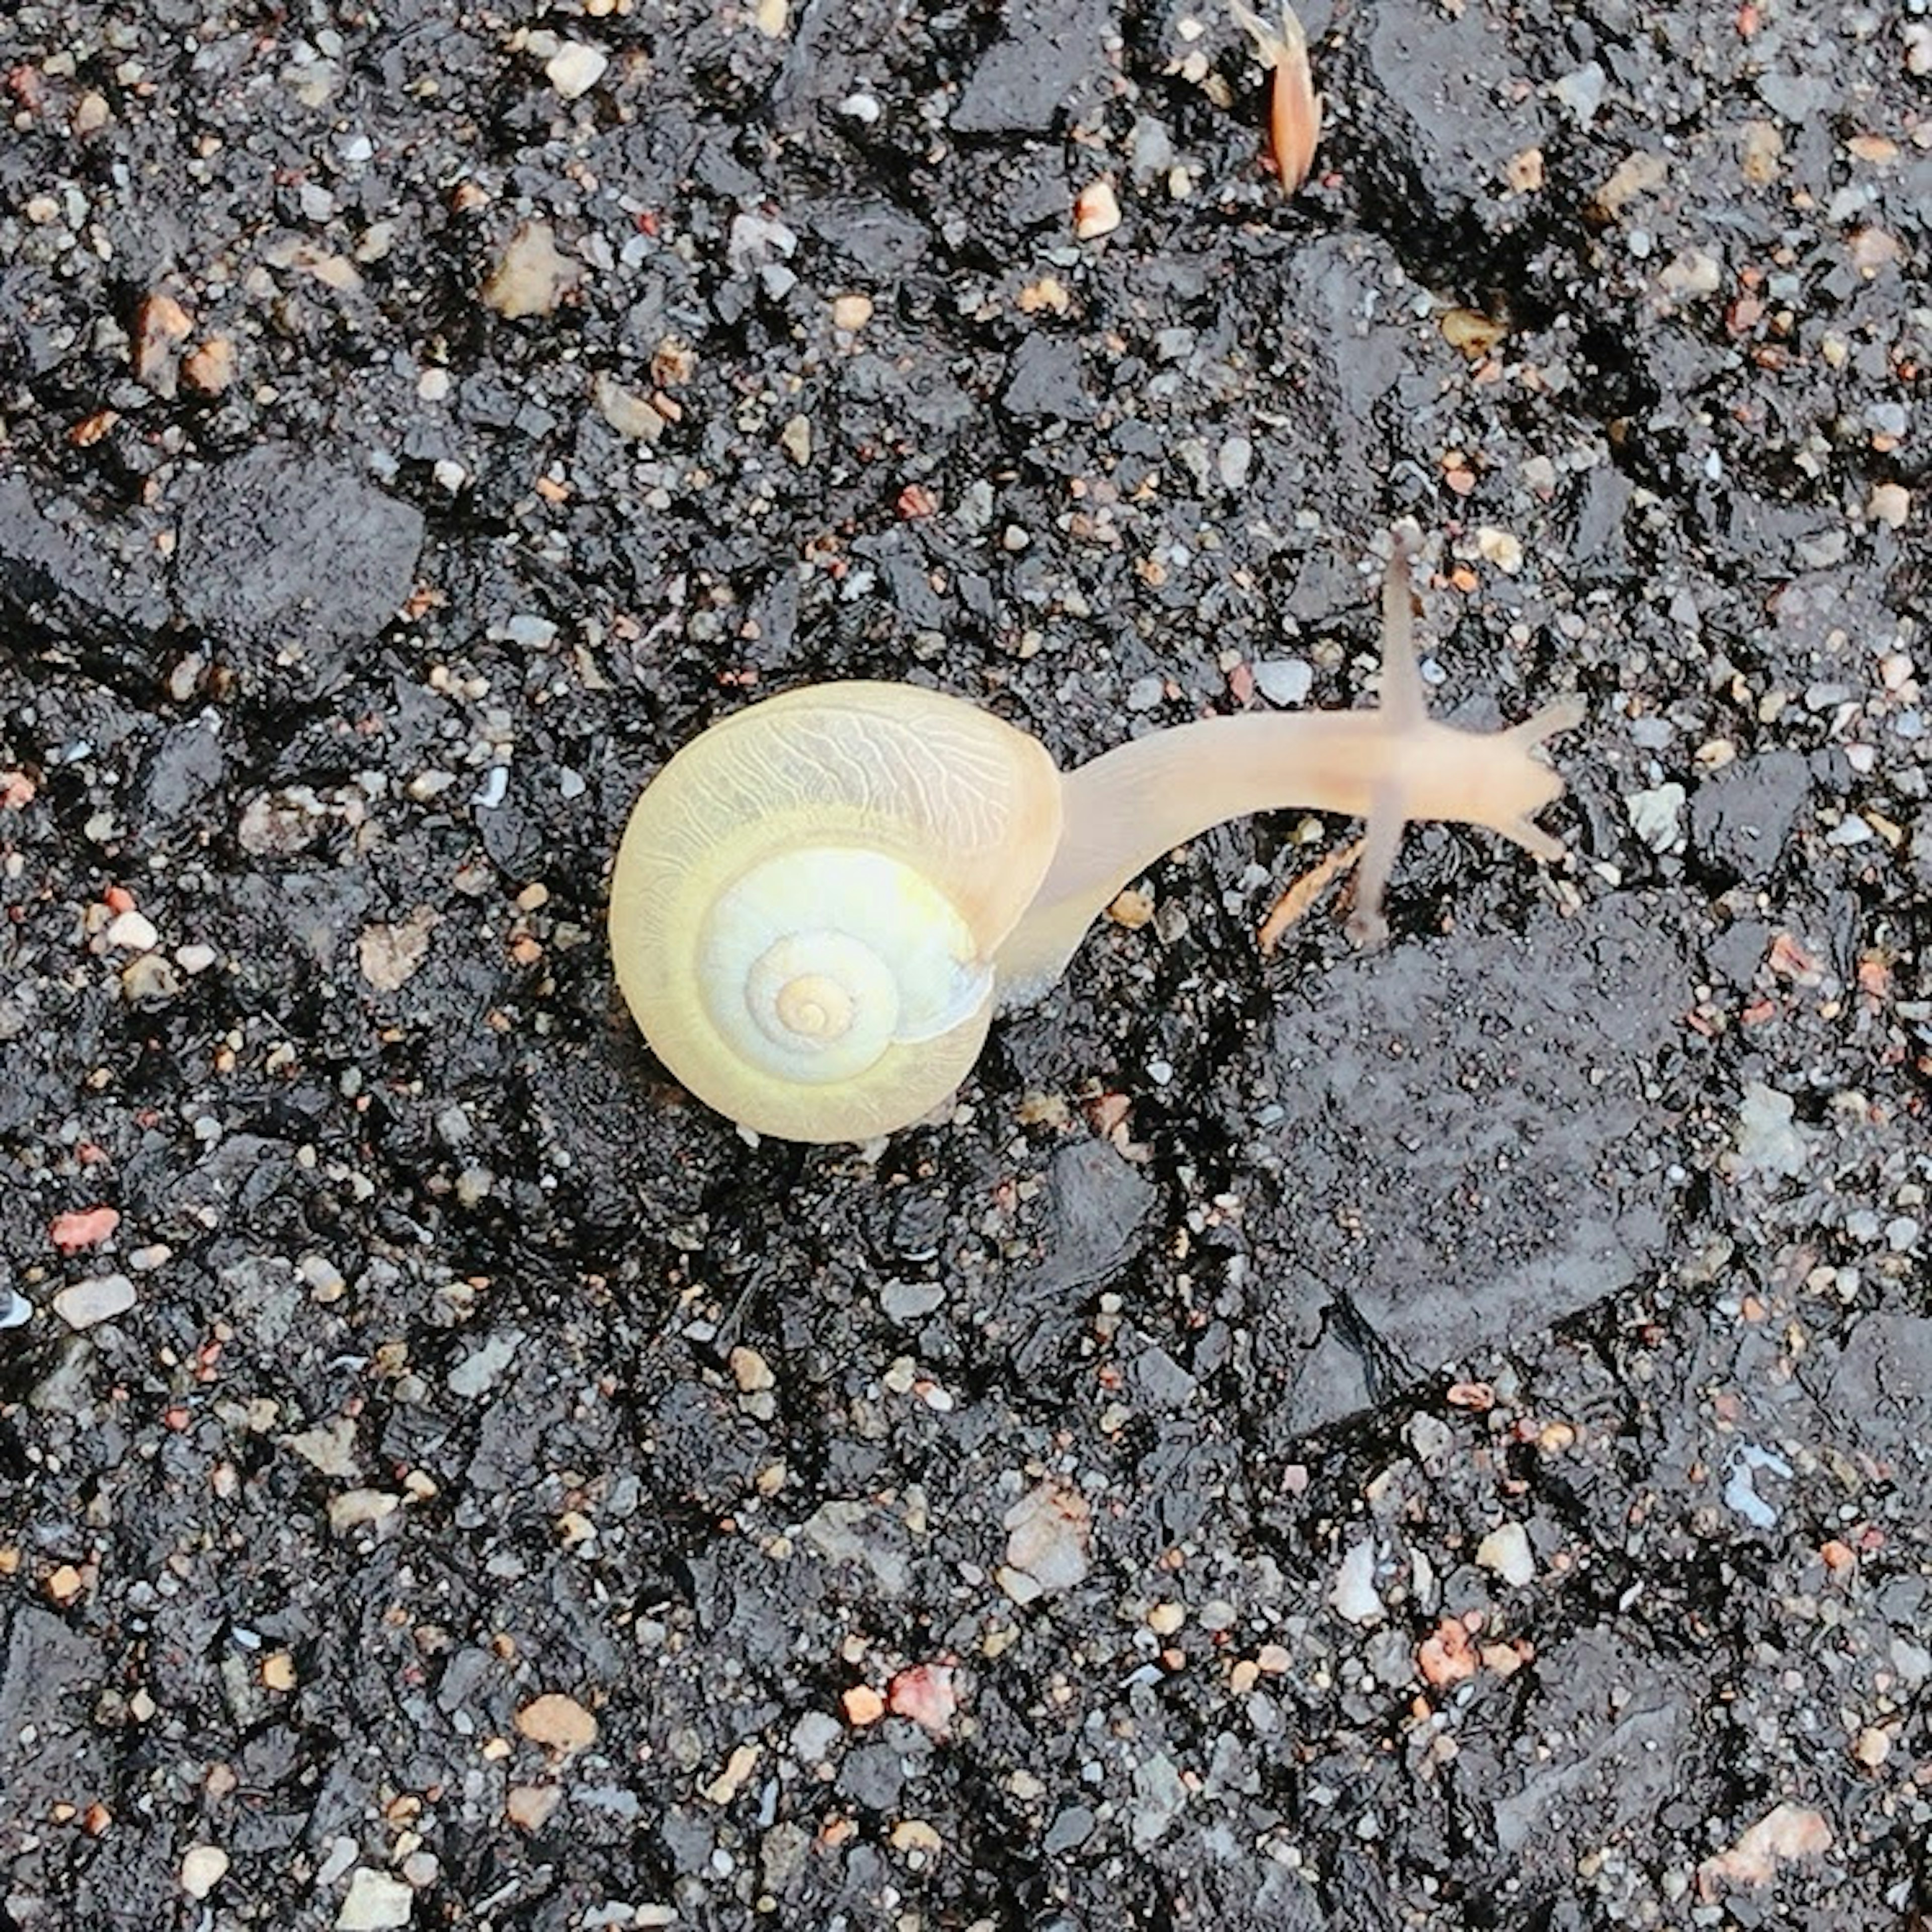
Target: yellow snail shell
x,y
808,898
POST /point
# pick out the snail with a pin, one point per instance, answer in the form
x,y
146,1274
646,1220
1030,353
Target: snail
x,y
820,902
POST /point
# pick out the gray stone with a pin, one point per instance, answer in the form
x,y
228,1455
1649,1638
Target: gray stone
x,y
280,554
1740,820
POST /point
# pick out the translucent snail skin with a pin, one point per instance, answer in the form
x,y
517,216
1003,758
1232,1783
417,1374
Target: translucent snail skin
x,y
820,902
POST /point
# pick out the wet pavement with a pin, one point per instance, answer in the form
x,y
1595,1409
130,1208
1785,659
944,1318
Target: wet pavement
x,y
1434,1438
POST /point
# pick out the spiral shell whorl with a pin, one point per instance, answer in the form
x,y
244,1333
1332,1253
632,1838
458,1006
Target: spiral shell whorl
x,y
816,961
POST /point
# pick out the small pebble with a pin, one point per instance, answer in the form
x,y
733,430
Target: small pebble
x,y
329,1447
1506,1552
1285,681
202,1868
1354,1595
1656,816
575,68
85,1227
209,367
530,278
1582,92
1770,1140
1097,211
915,1835
558,1722
375,1903
862,1706
910,1300
815,1736
630,414
731,1780
1889,504
479,1371
750,1370
88,1303
529,1806
1500,547
355,1508
927,1694
1048,1534
132,932
1447,1656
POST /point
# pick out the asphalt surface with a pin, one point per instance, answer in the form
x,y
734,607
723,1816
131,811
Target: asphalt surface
x,y
1436,1439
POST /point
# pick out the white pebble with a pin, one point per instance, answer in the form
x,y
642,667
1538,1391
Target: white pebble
x,y
1285,681
1500,547
1354,1595
377,1903
1506,1551
576,68
479,1371
1582,92
1096,211
1048,1533
1889,504
815,1736
132,931
1655,814
202,1868
87,1303
1770,1140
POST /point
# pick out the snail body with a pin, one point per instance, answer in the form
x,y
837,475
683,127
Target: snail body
x,y
819,903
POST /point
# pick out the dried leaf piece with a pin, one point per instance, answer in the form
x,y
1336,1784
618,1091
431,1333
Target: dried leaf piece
x,y
1470,330
1302,894
161,325
531,276
389,955
1294,108
1787,1832
558,1722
